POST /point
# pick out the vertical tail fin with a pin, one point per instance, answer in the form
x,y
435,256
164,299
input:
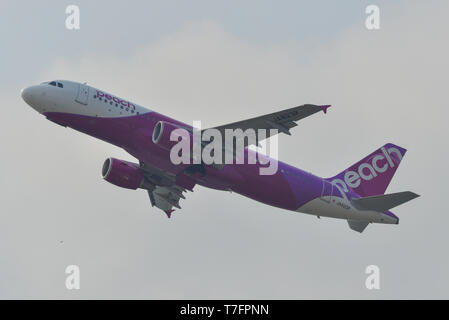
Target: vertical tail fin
x,y
371,175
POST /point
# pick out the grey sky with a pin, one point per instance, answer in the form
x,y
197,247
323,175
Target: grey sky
x,y
220,62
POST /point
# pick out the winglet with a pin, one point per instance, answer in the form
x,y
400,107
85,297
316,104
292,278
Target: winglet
x,y
168,212
324,108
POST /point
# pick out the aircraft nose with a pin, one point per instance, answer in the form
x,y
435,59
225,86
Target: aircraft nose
x,y
26,95
33,97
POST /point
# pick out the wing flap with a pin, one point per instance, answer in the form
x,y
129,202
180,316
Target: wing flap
x,y
166,198
165,189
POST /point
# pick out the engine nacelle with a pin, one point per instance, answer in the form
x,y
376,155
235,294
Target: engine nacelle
x,y
122,173
162,132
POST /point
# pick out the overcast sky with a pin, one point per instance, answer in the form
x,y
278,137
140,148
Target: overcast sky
x,y
218,62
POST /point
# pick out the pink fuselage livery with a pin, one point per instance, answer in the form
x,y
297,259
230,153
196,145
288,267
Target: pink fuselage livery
x,y
130,126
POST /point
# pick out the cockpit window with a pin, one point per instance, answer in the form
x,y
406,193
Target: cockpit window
x,y
54,84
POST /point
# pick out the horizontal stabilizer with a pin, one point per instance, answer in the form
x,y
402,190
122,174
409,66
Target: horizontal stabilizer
x,y
358,226
385,202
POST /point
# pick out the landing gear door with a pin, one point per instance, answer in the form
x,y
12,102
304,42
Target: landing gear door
x,y
83,94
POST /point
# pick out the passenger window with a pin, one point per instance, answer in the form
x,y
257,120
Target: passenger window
x,y
53,83
60,85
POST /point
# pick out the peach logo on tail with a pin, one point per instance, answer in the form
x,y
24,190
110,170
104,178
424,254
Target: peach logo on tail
x,y
368,171
119,101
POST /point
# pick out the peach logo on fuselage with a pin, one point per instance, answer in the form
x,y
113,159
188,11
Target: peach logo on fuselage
x,y
124,103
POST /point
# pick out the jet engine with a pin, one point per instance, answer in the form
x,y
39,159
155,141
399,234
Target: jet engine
x,y
164,130
122,173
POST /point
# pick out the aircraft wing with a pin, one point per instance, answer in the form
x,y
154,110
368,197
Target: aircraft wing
x,y
166,198
283,120
165,189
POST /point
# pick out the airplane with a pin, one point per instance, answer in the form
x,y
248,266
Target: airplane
x,y
357,194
